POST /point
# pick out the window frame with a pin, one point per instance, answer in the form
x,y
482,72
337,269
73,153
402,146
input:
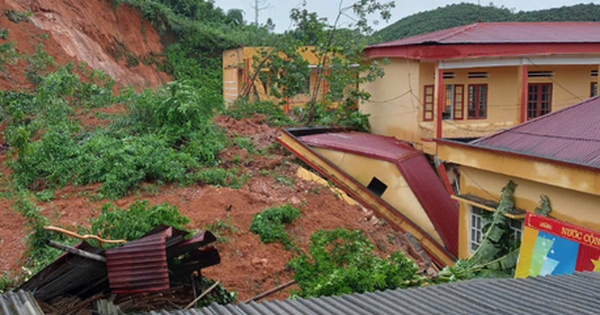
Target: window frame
x,y
592,89
426,103
460,111
538,110
517,232
477,101
475,228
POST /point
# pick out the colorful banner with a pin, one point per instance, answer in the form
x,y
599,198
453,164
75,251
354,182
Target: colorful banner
x,y
552,247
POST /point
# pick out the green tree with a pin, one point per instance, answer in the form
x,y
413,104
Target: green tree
x,y
341,261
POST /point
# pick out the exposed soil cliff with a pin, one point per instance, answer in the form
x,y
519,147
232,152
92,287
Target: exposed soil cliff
x,y
116,40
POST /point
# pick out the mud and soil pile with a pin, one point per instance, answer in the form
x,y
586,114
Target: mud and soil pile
x,y
248,266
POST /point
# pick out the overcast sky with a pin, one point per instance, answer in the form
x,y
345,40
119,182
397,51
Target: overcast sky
x,y
279,9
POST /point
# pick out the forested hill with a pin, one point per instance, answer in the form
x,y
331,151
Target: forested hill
x,y
466,13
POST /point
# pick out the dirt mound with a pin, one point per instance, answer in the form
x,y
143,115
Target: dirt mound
x,y
261,134
247,265
115,40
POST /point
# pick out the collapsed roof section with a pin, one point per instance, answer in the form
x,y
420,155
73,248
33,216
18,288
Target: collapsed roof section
x,y
441,210
414,167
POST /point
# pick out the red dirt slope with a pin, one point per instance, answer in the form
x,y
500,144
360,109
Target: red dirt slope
x,y
91,31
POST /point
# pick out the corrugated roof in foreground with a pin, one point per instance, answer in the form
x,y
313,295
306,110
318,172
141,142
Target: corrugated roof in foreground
x,y
577,293
571,135
19,303
506,33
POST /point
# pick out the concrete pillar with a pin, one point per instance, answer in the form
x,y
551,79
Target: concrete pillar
x,y
522,80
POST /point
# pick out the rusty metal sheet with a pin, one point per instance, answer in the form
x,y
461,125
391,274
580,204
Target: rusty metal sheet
x,y
140,265
69,274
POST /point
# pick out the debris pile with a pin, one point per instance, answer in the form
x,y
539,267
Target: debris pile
x,y
161,269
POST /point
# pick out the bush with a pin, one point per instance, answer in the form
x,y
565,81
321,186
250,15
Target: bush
x,y
135,221
343,262
270,224
273,114
164,135
215,176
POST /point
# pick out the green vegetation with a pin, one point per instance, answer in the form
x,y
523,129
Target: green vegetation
x,y
201,32
466,13
222,228
4,32
343,262
499,250
165,135
17,16
270,224
132,223
273,113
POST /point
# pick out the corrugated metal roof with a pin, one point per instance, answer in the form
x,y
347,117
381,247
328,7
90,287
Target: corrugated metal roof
x,y
139,265
506,33
19,303
414,167
569,135
556,294
69,274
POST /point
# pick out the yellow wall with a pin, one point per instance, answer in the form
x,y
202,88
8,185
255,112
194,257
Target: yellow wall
x,y
393,111
574,192
567,205
233,67
398,193
402,117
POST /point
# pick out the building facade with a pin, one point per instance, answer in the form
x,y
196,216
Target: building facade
x,y
238,72
556,155
476,79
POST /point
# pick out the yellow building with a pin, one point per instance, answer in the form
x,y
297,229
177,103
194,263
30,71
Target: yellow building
x,y
238,71
557,155
472,80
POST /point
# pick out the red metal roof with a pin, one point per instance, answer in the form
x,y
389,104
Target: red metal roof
x,y
382,147
570,135
140,265
506,33
414,167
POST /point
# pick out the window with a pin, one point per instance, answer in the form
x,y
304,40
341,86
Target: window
x,y
454,102
377,187
476,233
477,224
516,227
306,86
449,75
477,75
594,73
540,74
539,99
478,101
428,103
594,89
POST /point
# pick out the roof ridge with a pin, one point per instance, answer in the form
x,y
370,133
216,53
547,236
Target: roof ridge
x,y
552,114
463,29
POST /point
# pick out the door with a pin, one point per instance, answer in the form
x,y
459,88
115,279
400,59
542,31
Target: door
x,y
539,99
453,109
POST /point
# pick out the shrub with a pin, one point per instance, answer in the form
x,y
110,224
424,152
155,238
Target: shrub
x,y
273,114
270,224
17,16
215,176
164,135
341,261
135,221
